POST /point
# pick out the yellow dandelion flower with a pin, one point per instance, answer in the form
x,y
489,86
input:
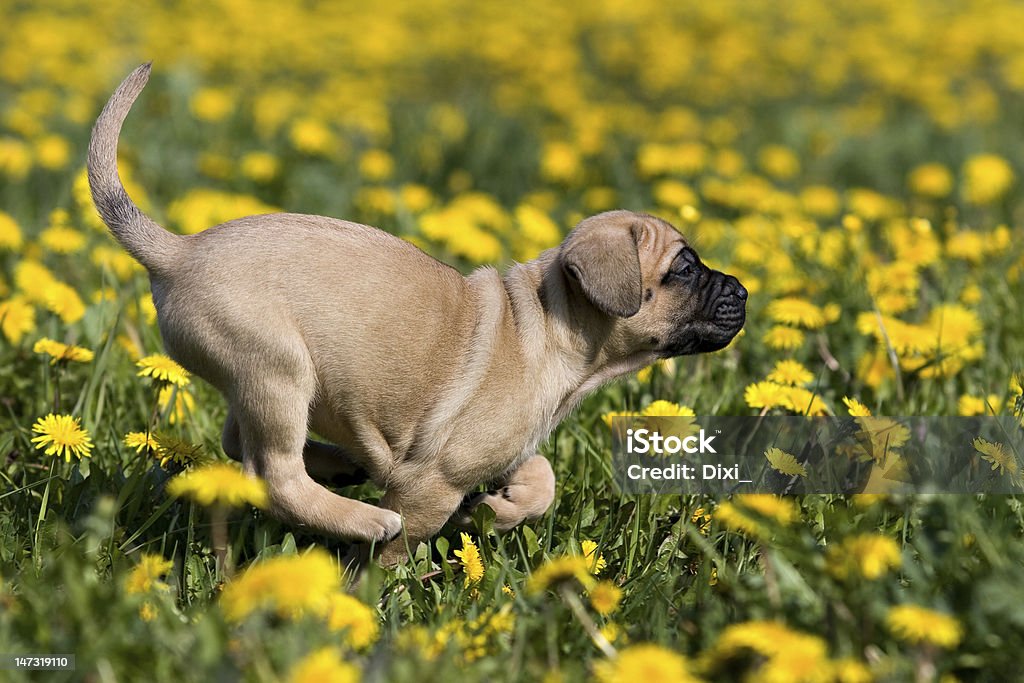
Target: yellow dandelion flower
x,y
146,575
17,318
345,612
560,569
784,462
803,402
765,395
784,338
162,368
324,666
849,670
507,590
183,404
987,177
869,555
919,625
147,612
855,407
931,180
62,239
62,352
469,556
996,454
735,520
605,597
796,311
291,585
10,233
780,510
790,372
594,558
141,441
311,136
612,632
646,662
880,436
52,152
62,299
172,449
609,417
219,483
62,435
376,165
260,167
211,104
662,408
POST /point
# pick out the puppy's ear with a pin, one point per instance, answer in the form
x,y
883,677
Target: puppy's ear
x,y
601,255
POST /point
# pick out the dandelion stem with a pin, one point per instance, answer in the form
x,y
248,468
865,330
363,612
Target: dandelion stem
x,y
576,605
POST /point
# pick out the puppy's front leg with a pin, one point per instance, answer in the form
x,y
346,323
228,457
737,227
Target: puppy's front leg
x,y
526,494
425,505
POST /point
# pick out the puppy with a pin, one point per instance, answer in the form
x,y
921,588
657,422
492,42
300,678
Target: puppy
x,y
427,381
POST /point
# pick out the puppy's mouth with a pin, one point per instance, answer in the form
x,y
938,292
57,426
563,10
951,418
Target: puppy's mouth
x,y
725,313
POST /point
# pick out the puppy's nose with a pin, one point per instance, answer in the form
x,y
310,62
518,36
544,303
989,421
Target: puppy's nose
x,y
732,286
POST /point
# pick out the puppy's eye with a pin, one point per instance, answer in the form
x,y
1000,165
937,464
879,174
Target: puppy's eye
x,y
682,268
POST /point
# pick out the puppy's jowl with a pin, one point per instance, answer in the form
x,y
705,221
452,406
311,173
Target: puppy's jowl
x,y
428,382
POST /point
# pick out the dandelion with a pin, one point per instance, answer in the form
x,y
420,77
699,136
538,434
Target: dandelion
x,y
62,352
880,436
10,233
790,372
987,177
147,612
931,180
646,662
146,575
784,462
766,395
996,453
260,167
507,590
784,338
796,311
605,597
183,403
291,585
596,559
163,369
211,104
172,449
780,510
17,318
376,165
869,555
62,435
63,300
559,569
736,520
59,237
358,620
469,556
141,441
324,666
219,483
855,407
922,626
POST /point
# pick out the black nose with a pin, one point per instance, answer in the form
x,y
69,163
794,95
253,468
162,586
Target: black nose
x,y
732,286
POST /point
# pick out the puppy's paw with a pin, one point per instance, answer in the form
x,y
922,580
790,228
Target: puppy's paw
x,y
385,525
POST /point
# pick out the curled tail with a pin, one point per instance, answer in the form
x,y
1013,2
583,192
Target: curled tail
x,y
150,244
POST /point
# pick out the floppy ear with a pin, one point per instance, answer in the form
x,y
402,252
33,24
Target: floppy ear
x,y
601,255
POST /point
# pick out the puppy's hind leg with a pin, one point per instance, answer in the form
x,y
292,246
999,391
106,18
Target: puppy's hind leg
x,y
272,409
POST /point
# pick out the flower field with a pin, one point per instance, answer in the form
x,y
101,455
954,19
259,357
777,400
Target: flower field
x,y
857,165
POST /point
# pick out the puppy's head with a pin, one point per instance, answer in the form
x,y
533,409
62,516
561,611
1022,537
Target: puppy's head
x,y
659,297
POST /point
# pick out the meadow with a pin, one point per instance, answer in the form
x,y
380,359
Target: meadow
x,y
856,164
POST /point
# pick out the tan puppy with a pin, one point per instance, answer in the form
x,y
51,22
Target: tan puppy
x,y
430,382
